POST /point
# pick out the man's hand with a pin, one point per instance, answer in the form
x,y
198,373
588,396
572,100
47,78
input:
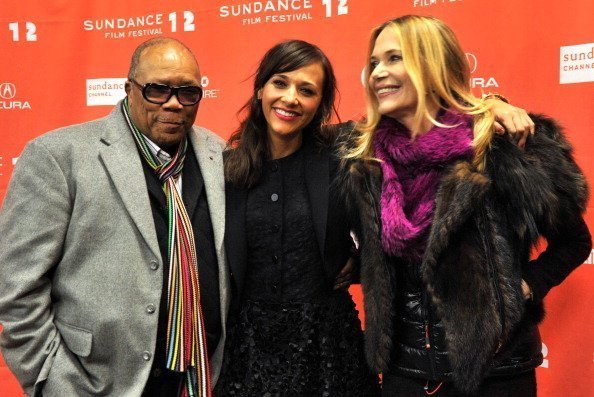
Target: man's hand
x,y
513,120
345,277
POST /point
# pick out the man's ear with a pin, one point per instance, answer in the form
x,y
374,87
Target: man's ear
x,y
128,87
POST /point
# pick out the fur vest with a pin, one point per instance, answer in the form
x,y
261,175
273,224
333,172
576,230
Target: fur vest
x,y
483,227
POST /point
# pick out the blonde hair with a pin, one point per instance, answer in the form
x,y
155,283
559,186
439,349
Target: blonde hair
x,y
440,74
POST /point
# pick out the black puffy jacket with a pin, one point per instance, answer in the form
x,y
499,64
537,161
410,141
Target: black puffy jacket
x,y
419,347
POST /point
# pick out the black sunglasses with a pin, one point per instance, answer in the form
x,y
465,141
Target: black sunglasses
x,y
187,95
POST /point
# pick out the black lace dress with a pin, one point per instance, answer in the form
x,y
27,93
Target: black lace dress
x,y
294,335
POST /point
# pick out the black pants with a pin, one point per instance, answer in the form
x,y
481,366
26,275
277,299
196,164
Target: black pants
x,y
522,385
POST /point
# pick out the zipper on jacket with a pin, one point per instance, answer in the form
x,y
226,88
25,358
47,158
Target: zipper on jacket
x,y
428,340
489,257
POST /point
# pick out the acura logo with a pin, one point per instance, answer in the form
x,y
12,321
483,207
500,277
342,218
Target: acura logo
x,y
472,62
7,90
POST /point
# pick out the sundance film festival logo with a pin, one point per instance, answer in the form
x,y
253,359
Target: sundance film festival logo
x,y
429,3
141,25
105,91
8,94
577,64
479,81
281,11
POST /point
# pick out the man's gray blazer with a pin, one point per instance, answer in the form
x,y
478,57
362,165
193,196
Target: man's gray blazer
x,y
79,260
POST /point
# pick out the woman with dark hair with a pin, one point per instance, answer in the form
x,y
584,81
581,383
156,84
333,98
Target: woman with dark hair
x,y
292,332
446,214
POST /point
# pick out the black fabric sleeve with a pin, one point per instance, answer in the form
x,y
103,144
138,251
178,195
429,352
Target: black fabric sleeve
x,y
568,247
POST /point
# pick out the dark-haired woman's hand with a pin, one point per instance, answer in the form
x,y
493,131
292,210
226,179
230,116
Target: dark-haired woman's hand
x,y
511,119
526,291
345,278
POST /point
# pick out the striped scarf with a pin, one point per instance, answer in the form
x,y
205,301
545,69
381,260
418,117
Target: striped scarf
x,y
186,335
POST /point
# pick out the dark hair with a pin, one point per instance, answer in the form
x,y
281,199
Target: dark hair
x,y
248,146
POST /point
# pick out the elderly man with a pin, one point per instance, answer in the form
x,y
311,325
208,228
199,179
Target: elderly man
x,y
112,269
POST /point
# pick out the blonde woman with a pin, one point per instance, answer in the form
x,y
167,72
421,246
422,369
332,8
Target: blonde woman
x,y
446,213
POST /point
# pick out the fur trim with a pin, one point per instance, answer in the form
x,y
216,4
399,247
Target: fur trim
x,y
364,182
538,186
468,266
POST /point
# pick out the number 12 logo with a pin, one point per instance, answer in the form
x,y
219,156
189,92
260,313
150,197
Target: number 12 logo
x,y
30,34
188,21
342,7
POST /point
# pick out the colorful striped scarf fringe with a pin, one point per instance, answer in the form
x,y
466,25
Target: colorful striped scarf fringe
x,y
186,334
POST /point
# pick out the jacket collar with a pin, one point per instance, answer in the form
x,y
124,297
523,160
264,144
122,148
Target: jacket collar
x,y
123,165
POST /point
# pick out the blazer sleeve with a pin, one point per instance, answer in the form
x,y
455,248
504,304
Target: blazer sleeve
x,y
33,224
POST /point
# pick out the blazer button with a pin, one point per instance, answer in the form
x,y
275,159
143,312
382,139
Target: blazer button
x,y
150,309
146,356
154,265
274,197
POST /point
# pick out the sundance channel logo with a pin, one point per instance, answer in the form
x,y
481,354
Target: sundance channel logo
x,y
9,99
105,91
577,64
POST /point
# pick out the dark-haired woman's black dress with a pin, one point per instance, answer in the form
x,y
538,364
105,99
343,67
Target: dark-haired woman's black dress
x,y
294,335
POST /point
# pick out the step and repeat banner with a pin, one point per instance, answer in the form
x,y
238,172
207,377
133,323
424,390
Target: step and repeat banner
x,y
65,62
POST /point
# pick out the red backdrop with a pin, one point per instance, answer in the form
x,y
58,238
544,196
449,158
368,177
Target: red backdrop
x,y
64,62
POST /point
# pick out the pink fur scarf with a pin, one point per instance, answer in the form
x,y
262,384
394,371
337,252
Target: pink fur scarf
x,y
411,172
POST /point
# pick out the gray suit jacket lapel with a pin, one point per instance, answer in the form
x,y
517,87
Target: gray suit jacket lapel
x,y
210,159
123,164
